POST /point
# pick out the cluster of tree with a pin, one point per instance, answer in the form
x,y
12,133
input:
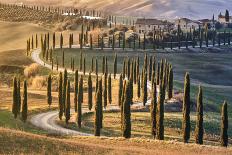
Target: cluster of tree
x,y
17,107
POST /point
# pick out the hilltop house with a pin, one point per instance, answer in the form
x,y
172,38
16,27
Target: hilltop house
x,y
222,19
143,25
186,24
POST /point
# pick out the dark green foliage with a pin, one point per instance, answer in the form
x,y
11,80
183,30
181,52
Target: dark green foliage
x,y
158,74
61,41
126,120
109,89
67,104
49,90
24,106
138,87
54,40
80,101
120,89
15,98
150,68
96,67
199,131
224,125
153,110
60,96
145,88
19,97
92,65
105,91
170,83
227,16
186,126
90,92
75,90
115,65
65,78
81,61
98,110
84,66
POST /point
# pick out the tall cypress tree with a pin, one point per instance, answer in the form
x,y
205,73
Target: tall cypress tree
x,y
224,125
65,78
150,68
105,91
145,88
15,98
120,87
19,97
199,131
80,101
170,83
126,120
109,89
75,90
90,92
98,103
115,65
81,61
186,126
67,105
84,66
153,110
60,96
24,106
49,90
138,87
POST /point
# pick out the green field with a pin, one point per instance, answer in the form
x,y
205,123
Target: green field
x,y
213,70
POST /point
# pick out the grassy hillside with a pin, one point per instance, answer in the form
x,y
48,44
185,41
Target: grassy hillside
x,y
21,142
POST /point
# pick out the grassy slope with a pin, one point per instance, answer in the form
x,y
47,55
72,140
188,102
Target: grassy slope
x,y
20,142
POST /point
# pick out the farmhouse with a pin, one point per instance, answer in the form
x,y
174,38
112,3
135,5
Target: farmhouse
x,y
186,24
143,25
222,19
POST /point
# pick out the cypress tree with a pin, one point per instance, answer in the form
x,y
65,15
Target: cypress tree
x,y
115,65
109,89
49,90
90,92
150,68
170,83
15,98
54,40
24,106
103,65
145,88
158,74
67,104
65,78
92,65
153,110
81,57
80,101
19,97
186,126
84,66
105,91
199,131
224,125
138,87
75,90
96,66
60,96
120,87
61,41
97,120
36,41
126,120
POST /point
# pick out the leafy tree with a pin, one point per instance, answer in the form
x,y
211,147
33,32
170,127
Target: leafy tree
x,y
224,125
186,126
49,90
90,92
24,106
67,105
199,131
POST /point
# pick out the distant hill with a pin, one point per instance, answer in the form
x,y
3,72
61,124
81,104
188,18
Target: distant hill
x,y
148,8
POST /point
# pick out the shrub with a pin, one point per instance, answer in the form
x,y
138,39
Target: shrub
x,y
31,70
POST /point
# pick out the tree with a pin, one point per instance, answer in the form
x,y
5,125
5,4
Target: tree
x,y
109,89
98,106
153,110
80,101
60,96
186,126
105,91
170,83
67,105
126,120
54,40
84,66
120,87
224,125
115,65
90,92
49,90
138,87
81,60
65,78
227,16
61,41
15,98
145,88
19,97
199,131
24,106
75,90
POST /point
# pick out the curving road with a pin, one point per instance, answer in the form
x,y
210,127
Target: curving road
x,y
47,120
